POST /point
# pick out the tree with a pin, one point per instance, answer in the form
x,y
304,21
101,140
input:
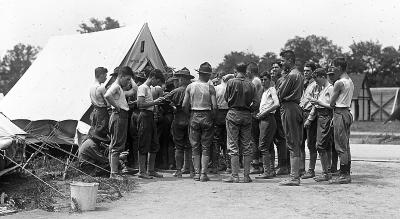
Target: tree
x,y
233,58
313,48
266,61
14,65
98,25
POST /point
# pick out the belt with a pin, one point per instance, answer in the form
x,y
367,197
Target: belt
x,y
239,109
200,110
341,109
146,111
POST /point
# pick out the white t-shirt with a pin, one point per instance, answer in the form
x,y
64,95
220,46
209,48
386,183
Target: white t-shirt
x,y
117,93
220,95
145,91
268,99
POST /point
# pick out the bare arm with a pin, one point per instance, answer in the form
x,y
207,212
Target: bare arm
x,y
337,89
213,95
110,99
186,102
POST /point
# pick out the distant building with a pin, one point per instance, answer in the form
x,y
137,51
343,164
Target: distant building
x,y
362,98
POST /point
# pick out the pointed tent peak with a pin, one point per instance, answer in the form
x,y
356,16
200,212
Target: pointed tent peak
x,y
144,51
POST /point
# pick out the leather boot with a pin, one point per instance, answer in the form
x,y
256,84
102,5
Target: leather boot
x,y
127,170
150,166
228,161
324,157
179,161
234,178
196,166
204,168
114,163
295,177
142,167
246,169
344,177
272,163
266,158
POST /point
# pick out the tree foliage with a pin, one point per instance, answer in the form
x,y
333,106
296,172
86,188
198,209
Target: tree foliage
x,y
98,25
233,58
14,64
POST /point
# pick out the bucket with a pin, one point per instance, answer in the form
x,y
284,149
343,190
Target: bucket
x,y
84,195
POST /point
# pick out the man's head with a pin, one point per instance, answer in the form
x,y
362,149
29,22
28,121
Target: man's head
x,y
241,68
101,74
252,70
276,70
205,71
156,77
265,79
288,59
125,75
183,76
309,68
320,76
337,68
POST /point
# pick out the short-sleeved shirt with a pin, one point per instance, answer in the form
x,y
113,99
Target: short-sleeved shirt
x,y
145,91
97,92
240,94
311,91
291,86
117,93
220,96
268,99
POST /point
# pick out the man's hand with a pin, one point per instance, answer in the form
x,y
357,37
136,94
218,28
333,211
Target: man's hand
x,y
159,100
307,124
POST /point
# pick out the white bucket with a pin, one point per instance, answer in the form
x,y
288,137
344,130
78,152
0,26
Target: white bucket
x,y
85,195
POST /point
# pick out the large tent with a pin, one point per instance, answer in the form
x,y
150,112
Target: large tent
x,y
53,95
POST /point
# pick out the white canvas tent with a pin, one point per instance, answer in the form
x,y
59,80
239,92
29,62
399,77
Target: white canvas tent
x,y
53,94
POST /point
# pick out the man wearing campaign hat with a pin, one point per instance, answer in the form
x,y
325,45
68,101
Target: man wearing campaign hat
x,y
290,91
200,100
241,97
180,123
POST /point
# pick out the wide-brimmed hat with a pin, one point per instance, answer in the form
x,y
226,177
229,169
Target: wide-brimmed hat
x,y
184,72
205,68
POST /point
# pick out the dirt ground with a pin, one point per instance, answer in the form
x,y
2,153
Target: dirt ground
x,y
373,193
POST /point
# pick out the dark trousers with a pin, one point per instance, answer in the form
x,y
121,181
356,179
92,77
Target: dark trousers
x,y
342,120
324,130
219,136
280,141
292,121
147,133
133,136
99,119
267,132
309,135
180,133
201,132
255,133
238,130
118,131
165,140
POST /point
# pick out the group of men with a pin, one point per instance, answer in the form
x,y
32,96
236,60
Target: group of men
x,y
241,118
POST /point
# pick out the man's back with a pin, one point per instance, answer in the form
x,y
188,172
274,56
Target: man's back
x,y
240,93
97,92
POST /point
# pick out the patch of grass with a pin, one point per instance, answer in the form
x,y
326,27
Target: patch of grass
x,y
370,126
27,193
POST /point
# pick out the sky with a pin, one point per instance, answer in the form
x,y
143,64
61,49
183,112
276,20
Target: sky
x,y
191,32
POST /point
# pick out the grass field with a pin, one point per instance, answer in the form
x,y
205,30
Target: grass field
x,y
364,126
